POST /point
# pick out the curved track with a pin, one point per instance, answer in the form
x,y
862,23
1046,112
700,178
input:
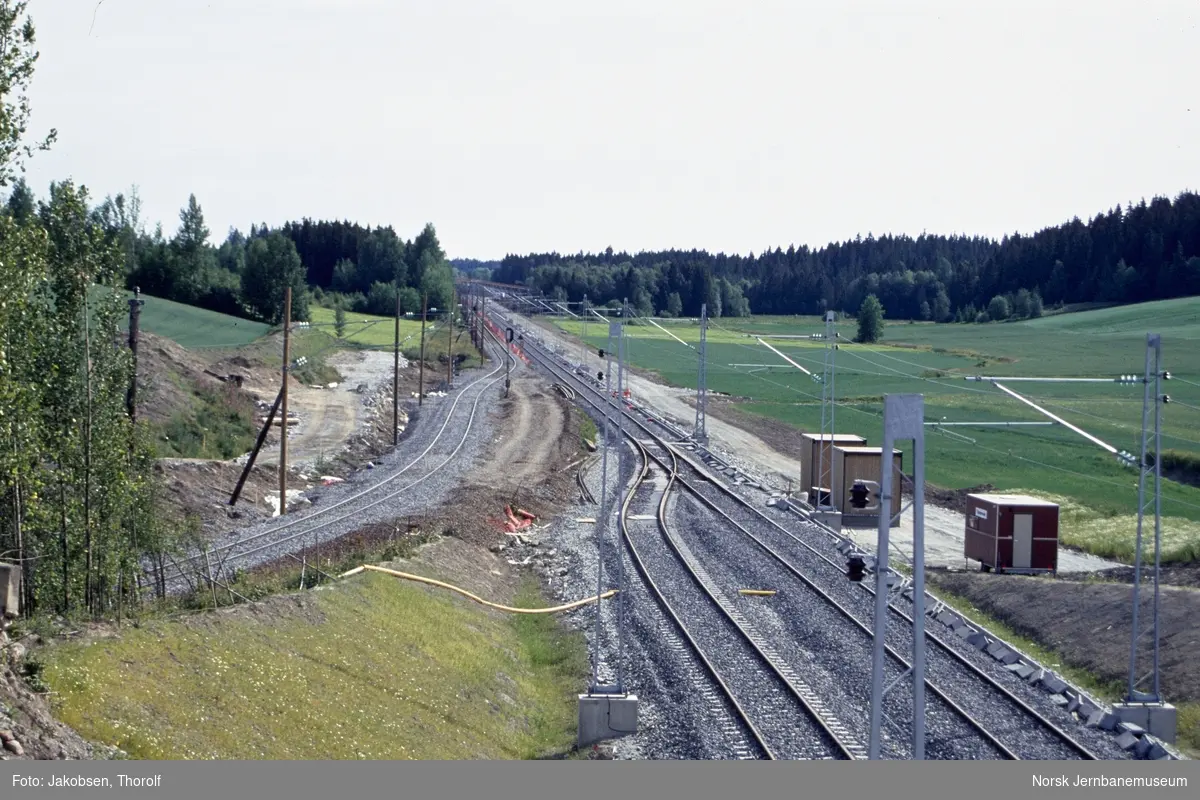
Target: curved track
x,y
1006,731
292,532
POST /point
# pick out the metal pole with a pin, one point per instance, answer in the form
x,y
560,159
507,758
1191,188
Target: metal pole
x,y
881,592
262,435
283,421
602,519
617,538
583,337
1158,403
918,586
903,418
396,378
1137,562
700,430
421,363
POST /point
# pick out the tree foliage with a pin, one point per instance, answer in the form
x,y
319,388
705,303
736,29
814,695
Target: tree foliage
x,y
870,320
1147,251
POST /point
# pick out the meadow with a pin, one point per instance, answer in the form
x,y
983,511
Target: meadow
x,y
194,327
933,360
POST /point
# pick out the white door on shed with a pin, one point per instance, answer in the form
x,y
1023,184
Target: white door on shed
x,y
1022,540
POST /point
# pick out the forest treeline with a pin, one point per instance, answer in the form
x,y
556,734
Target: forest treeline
x,y
344,263
1148,251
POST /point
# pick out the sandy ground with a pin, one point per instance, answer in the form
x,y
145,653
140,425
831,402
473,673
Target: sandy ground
x,y
945,537
329,417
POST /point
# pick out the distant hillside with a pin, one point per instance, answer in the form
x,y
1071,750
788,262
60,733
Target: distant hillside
x,y
1149,251
195,327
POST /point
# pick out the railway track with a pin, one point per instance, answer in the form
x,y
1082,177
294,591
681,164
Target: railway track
x,y
280,540
1006,730
794,722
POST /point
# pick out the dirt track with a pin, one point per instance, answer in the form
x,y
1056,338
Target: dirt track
x,y
533,426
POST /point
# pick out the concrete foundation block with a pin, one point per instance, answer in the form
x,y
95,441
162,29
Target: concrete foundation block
x,y
1073,704
977,640
606,716
1059,700
1053,685
1022,670
830,519
1035,676
1127,741
963,632
1141,748
1156,752
1102,719
1009,657
1158,719
1130,727
10,590
995,649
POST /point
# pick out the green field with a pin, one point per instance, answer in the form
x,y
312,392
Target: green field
x,y
933,359
194,327
367,330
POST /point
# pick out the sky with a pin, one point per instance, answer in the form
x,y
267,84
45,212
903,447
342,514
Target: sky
x,y
531,126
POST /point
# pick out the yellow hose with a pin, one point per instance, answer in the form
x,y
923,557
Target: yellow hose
x,y
758,592
477,598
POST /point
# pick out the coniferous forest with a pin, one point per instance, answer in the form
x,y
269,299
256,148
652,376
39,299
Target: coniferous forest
x,y
1148,251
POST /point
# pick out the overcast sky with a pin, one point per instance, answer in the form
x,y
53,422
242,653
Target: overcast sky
x,y
639,124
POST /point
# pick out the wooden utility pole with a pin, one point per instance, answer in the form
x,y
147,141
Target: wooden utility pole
x,y
135,314
396,379
262,435
421,367
450,341
283,420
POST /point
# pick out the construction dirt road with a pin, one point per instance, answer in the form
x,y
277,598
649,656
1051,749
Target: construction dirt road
x,y
328,417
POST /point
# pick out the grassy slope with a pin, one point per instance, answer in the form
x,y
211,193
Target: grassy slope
x,y
371,668
932,360
196,327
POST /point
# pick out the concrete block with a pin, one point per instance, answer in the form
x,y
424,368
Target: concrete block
x,y
1102,719
1141,748
10,590
949,619
1022,670
1074,704
1159,719
977,640
1127,741
1009,657
1156,752
1036,676
606,716
1130,727
1059,700
1052,684
1013,667
994,649
963,632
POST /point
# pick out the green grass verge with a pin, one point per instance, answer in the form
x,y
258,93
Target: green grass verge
x,y
195,327
588,432
1187,724
371,667
933,360
218,423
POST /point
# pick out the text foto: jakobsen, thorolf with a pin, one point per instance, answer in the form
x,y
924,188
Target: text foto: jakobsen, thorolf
x,y
102,782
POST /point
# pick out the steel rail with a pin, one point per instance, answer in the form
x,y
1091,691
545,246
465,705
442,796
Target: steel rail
x,y
994,685
663,603
846,751
228,548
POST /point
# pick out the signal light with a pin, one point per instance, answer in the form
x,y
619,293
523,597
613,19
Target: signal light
x,y
858,495
600,377
1166,376
602,354
1166,398
856,568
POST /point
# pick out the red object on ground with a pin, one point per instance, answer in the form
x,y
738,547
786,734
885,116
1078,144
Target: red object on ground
x,y
525,514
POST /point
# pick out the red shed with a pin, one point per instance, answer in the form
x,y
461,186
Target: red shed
x,y
1012,533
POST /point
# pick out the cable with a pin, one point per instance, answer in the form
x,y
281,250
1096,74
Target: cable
x,y
477,598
